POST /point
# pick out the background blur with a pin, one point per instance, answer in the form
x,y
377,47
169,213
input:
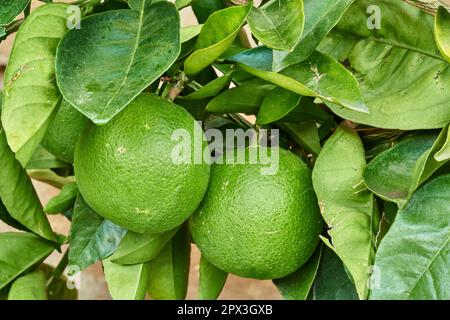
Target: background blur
x,y
93,284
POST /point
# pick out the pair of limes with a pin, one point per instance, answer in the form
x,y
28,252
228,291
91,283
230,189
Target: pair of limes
x,y
246,223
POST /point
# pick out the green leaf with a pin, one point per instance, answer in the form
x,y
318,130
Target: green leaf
x,y
9,10
397,172
18,195
170,270
308,111
19,252
393,65
50,177
217,35
6,218
332,281
42,159
320,18
246,98
126,282
95,83
212,89
278,24
277,104
442,32
297,285
64,200
345,205
180,4
188,33
211,281
92,238
29,287
318,76
31,95
204,8
138,248
444,153
305,134
413,258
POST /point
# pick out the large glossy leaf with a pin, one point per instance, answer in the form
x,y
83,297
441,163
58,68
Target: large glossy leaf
x,y
170,270
92,238
64,200
18,253
139,248
18,195
320,18
11,9
146,42
29,287
397,172
217,34
346,206
31,95
297,285
278,24
246,98
442,32
394,65
126,282
414,256
332,281
277,104
317,76
204,8
212,280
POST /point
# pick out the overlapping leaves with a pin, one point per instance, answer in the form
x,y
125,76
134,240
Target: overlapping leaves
x,y
403,78
346,206
413,258
31,95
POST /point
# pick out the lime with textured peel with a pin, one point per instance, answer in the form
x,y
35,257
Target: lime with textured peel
x,y
258,225
126,170
64,131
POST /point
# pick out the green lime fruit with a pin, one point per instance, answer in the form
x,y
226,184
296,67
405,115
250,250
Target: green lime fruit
x,y
256,225
64,131
130,172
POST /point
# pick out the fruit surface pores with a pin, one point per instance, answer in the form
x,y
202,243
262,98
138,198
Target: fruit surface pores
x,y
258,226
125,170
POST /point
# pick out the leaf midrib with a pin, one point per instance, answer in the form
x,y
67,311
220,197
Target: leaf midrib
x,y
427,268
280,37
133,55
395,45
